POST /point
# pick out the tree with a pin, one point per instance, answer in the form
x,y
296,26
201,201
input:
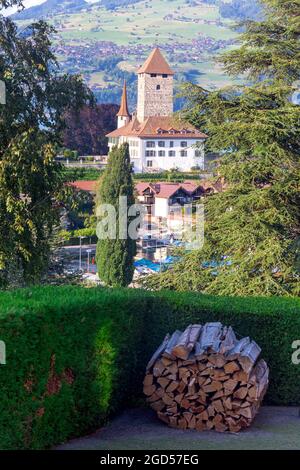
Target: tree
x,y
252,228
31,124
115,256
85,131
10,3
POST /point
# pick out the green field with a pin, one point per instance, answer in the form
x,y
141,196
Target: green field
x,y
174,25
145,19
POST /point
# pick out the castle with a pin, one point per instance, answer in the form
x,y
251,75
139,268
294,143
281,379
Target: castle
x,y
157,140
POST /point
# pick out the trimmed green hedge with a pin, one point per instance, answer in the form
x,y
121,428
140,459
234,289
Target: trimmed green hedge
x,y
75,355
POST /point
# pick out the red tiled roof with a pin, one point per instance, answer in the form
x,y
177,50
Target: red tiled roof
x,y
141,187
156,63
84,185
167,190
158,126
190,186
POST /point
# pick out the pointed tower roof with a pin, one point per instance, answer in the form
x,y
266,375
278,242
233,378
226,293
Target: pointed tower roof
x,y
123,111
156,63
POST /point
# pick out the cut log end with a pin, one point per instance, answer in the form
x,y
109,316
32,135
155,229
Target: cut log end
x,y
204,378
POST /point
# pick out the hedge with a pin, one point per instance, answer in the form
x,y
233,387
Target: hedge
x,y
75,356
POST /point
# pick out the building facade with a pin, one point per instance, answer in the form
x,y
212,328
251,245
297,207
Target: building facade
x,y
157,140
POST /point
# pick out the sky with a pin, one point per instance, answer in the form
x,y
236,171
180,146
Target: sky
x,y
27,3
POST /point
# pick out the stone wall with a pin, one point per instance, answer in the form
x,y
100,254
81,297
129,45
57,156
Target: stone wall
x,y
155,96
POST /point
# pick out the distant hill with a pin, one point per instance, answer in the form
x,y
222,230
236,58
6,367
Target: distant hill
x,y
237,9
106,40
56,7
50,7
234,9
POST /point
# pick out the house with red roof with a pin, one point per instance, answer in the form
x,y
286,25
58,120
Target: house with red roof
x,y
161,198
158,141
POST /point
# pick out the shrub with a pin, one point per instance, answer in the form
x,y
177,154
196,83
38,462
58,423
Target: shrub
x,y
75,355
72,359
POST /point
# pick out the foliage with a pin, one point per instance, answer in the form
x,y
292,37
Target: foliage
x,y
85,174
241,9
70,154
75,355
65,372
67,235
37,97
79,206
115,256
85,131
252,228
10,3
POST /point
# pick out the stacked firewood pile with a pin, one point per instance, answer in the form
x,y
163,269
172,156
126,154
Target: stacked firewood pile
x,y
204,378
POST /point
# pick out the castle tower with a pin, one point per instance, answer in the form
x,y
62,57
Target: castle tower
x,y
123,113
155,87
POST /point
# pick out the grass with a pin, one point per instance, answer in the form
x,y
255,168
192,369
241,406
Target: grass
x,y
145,23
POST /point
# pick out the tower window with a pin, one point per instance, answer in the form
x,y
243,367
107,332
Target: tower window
x,y
158,87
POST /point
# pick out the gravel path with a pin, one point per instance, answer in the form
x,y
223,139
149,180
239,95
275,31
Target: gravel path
x,y
274,428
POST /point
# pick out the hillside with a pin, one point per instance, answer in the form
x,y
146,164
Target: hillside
x,y
107,40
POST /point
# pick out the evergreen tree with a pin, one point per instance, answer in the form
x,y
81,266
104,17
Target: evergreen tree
x,y
115,256
252,228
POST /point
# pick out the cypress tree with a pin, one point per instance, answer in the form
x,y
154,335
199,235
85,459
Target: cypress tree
x,y
252,228
115,256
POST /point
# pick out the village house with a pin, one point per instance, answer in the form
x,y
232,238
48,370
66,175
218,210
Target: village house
x,y
157,140
161,199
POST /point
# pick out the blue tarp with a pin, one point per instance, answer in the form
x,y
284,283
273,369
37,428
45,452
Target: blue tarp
x,y
146,263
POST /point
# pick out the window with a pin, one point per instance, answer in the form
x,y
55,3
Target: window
x,y
171,143
183,153
183,143
152,74
150,153
158,87
198,153
171,153
165,75
113,140
161,153
161,143
150,144
149,163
